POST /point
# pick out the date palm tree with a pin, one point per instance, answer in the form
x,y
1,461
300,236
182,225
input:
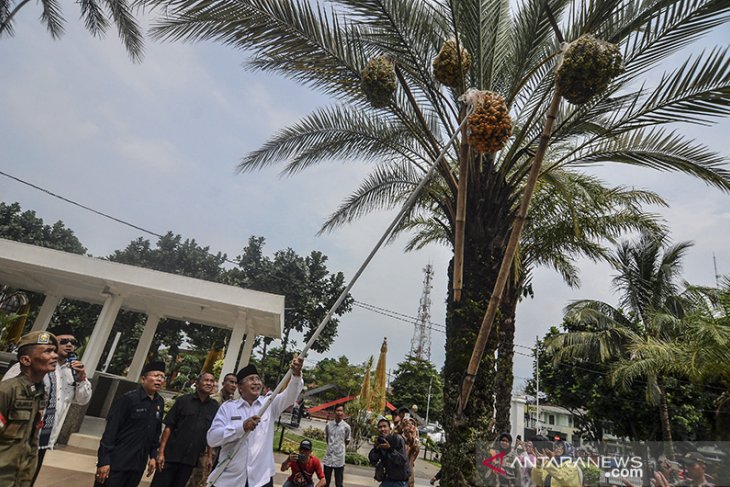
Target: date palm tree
x,y
97,17
573,215
326,45
651,311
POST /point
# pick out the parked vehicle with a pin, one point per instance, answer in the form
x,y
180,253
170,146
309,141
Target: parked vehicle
x,y
432,432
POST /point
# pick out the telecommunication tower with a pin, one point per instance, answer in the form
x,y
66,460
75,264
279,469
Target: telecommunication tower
x,y
421,341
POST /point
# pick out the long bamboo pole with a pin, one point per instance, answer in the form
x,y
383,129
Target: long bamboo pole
x,y
223,463
496,298
509,256
460,220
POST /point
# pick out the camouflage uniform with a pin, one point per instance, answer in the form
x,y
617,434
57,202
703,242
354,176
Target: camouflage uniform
x,y
22,404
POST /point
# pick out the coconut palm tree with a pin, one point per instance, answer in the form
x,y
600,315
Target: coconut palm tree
x,y
514,50
651,310
701,353
97,16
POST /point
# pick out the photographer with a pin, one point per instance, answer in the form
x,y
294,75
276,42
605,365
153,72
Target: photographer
x,y
392,468
303,467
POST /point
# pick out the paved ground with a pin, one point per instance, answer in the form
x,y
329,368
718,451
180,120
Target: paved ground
x,y
75,467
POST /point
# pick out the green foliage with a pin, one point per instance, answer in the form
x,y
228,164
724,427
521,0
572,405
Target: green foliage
x,y
186,370
614,343
26,227
340,372
591,476
410,385
97,19
313,433
308,285
354,458
269,366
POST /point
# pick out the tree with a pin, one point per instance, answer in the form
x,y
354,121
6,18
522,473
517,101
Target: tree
x,y
598,404
27,227
171,254
308,285
97,19
651,309
413,380
700,355
327,46
340,372
574,216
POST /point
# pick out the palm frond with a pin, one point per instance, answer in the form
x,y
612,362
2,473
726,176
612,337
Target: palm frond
x,y
94,18
293,38
656,149
385,188
127,27
659,29
336,132
52,17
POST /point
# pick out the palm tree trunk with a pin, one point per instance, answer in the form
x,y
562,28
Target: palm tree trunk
x,y
509,255
491,213
505,356
664,415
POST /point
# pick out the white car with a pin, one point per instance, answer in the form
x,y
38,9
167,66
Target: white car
x,y
432,432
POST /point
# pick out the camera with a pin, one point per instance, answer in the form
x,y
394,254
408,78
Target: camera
x,y
380,440
302,457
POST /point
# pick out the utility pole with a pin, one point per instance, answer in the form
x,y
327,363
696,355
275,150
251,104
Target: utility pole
x,y
717,274
428,401
537,385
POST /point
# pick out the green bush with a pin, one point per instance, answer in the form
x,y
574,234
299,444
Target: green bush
x,y
591,475
313,433
354,458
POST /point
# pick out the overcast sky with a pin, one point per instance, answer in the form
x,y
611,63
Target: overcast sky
x,y
157,143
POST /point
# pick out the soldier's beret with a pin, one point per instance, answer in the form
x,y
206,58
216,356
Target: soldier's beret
x,y
36,338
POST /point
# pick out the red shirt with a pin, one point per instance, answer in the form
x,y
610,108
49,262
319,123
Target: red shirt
x,y
312,466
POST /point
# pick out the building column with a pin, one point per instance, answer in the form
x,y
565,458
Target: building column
x,y
100,335
143,347
248,345
234,346
50,303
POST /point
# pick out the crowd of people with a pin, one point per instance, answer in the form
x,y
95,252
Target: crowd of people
x,y
541,462
195,444
198,442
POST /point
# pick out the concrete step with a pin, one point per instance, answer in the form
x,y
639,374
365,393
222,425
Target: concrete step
x,y
85,442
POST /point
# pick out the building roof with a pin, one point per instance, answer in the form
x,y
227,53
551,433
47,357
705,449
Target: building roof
x,y
90,279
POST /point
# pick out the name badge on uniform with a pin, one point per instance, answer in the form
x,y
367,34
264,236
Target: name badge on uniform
x,y
236,418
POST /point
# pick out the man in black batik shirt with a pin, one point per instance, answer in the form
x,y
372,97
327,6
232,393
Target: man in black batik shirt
x,y
184,437
132,433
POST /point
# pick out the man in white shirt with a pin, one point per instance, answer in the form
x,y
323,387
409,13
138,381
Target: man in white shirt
x,y
253,464
67,385
337,436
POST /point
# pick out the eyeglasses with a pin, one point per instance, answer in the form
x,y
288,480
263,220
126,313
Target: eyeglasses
x,y
66,341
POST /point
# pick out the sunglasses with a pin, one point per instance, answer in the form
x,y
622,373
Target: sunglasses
x,y
66,341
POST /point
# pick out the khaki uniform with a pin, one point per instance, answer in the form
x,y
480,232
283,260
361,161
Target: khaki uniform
x,y
22,404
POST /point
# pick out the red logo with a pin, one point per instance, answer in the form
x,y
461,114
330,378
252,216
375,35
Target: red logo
x,y
491,463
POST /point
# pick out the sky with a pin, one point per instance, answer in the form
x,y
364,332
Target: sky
x,y
156,144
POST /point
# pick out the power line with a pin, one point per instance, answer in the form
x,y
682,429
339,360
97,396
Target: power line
x,y
98,212
376,309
